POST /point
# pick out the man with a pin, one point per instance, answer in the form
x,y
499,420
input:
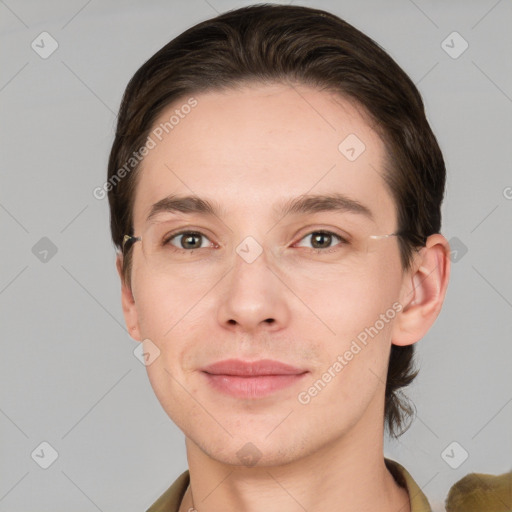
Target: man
x,y
275,192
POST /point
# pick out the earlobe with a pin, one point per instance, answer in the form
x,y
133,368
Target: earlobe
x,y
128,303
423,291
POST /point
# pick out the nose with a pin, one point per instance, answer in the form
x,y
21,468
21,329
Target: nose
x,y
253,296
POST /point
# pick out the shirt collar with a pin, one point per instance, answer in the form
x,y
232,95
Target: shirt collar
x,y
170,500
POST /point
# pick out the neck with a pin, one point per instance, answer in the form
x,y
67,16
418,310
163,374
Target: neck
x,y
346,474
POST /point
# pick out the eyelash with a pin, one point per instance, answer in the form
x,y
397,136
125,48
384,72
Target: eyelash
x,y
343,241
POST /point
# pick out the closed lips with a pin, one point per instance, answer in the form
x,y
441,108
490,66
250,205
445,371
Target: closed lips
x,y
263,367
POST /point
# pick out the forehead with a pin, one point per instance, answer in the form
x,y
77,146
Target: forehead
x,y
252,148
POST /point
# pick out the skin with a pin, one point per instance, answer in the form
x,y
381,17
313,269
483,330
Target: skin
x,y
248,149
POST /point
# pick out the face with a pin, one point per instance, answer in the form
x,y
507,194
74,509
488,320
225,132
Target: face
x,y
252,281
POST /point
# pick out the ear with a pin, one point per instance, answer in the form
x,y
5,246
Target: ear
x,y
129,309
423,291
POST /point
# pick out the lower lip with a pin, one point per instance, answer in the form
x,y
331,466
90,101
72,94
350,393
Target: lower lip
x,y
252,387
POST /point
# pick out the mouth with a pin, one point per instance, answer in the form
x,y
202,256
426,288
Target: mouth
x,y
251,380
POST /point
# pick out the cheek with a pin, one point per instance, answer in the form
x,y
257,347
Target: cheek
x,y
166,318
161,304
171,314
351,372
355,313
348,300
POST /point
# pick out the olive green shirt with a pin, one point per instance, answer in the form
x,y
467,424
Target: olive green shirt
x,y
171,499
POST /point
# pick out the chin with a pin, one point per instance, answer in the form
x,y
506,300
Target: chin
x,y
250,449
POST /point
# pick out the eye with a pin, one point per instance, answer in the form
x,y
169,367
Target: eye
x,y
187,241
190,240
322,240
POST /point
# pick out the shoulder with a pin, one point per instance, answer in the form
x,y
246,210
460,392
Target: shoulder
x,y
170,500
417,498
478,491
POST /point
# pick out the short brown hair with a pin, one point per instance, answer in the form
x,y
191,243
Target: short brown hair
x,y
268,43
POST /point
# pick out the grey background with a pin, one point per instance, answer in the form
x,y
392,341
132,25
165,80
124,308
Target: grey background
x,y
68,372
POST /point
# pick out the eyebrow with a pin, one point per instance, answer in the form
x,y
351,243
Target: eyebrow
x,y
301,205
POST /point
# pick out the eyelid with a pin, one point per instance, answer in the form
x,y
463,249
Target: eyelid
x,y
315,228
310,230
172,235
343,241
